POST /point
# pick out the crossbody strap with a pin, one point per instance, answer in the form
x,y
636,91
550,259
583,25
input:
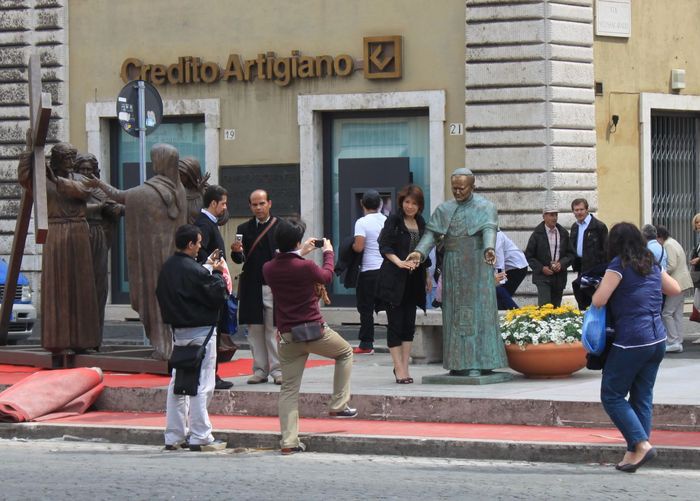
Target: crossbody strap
x,y
257,240
206,339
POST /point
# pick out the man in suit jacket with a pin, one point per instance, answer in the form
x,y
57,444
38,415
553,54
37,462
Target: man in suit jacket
x,y
588,239
255,307
215,205
549,254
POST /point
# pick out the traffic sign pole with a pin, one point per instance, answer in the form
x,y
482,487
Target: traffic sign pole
x,y
142,130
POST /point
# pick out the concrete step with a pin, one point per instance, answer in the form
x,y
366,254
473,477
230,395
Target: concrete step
x,y
430,409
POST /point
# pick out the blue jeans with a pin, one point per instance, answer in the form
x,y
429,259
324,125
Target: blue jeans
x,y
631,371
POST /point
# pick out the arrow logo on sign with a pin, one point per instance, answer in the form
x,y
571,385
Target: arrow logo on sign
x,y
374,58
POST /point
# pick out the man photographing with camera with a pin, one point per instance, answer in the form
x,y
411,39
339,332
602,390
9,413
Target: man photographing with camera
x,y
301,327
190,298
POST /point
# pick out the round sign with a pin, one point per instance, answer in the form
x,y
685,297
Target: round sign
x,y
128,108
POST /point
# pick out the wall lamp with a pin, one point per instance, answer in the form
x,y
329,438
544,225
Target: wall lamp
x,y
613,123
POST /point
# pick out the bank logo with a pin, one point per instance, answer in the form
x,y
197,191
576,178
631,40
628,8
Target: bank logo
x,y
382,57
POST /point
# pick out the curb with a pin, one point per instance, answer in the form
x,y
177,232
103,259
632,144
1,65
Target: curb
x,y
409,408
541,452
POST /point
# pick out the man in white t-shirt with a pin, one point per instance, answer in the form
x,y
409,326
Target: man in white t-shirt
x,y
367,230
511,261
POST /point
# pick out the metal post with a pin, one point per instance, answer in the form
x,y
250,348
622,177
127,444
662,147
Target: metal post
x,y
142,150
142,131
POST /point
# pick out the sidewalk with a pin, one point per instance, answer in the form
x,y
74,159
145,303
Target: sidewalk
x,y
533,420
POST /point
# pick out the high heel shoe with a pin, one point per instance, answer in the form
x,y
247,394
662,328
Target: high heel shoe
x,y
404,380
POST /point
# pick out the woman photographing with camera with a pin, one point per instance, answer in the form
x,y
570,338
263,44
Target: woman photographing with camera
x,y
401,286
632,287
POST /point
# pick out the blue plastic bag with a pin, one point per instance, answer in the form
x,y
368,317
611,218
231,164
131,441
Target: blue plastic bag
x,y
593,330
232,305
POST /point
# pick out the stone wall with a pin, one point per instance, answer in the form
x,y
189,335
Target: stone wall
x,y
26,26
530,118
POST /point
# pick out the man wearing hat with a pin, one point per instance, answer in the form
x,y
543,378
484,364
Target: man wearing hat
x,y
367,230
549,255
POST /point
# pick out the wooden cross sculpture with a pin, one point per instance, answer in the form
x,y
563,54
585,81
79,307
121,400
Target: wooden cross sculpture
x,y
39,115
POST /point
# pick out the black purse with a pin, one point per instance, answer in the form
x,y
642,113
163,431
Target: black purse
x,y
309,331
187,362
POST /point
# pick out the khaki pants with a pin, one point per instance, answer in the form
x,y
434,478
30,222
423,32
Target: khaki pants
x,y
293,358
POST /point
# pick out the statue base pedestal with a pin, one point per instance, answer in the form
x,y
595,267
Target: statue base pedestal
x,y
447,378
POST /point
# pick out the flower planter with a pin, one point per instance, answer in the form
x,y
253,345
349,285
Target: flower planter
x,y
548,360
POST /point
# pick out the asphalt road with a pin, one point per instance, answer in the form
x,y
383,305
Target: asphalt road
x,y
76,471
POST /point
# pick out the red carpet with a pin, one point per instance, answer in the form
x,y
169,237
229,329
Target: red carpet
x,y
10,374
510,433
47,395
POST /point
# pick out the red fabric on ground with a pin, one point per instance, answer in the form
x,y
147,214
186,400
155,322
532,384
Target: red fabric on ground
x,y
50,394
11,374
464,431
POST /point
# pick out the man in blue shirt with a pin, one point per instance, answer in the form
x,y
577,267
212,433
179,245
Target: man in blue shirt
x,y
588,238
660,256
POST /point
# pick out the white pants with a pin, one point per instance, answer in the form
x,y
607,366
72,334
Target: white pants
x,y
263,340
179,408
672,315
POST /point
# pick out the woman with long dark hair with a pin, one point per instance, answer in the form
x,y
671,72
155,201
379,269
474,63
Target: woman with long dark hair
x,y
632,287
401,286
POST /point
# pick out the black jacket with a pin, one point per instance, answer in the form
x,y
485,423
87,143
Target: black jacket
x,y
250,303
349,263
188,295
211,237
594,240
538,255
392,280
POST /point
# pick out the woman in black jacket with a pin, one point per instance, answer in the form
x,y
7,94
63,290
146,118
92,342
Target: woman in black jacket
x,y
401,286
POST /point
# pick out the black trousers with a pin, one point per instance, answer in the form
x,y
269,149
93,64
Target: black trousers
x,y
401,324
366,286
515,278
584,296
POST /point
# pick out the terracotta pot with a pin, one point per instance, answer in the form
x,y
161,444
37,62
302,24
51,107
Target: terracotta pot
x,y
547,361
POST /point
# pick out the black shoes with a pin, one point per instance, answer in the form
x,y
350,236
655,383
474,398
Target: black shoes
x,y
346,413
177,447
631,468
222,385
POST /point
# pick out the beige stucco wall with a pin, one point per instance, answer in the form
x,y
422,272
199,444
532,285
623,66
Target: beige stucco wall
x,y
264,114
665,36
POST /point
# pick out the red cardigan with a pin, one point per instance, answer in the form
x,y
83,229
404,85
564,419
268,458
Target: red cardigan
x,y
292,279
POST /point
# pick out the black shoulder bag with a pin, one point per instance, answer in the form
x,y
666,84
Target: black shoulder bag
x,y
187,360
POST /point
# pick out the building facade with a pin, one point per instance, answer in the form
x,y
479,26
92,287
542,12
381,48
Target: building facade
x,y
321,99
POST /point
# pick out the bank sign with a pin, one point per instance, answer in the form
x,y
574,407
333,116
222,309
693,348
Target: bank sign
x,y
382,59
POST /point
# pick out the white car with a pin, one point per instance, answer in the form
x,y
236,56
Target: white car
x,y
23,314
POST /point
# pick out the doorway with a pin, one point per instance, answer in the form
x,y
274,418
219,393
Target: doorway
x,y
362,150
675,183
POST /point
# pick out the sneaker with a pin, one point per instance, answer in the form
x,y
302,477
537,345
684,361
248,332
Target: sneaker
x,y
177,447
288,451
674,348
348,412
216,445
363,351
277,380
255,379
222,385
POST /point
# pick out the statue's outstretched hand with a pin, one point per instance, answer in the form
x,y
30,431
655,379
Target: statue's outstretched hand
x,y
414,256
490,256
91,181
